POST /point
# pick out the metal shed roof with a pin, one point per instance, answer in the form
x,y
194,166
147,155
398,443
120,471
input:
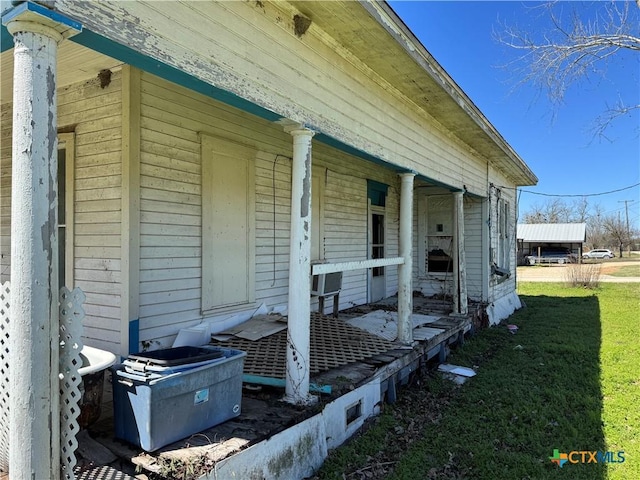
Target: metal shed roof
x,y
552,232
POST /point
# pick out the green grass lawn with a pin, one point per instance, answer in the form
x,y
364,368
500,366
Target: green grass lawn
x,y
569,379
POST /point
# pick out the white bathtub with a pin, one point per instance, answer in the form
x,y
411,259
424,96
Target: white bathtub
x,y
94,363
94,360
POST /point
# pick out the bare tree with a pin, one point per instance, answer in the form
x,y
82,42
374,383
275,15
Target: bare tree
x,y
580,210
556,211
576,48
559,210
596,234
617,231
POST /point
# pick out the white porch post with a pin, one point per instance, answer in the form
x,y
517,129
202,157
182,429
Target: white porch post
x,y
34,451
405,271
299,325
459,262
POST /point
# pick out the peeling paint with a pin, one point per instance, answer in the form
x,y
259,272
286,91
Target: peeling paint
x,y
305,200
33,235
51,102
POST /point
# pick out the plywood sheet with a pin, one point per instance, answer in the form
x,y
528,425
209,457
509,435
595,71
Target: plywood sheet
x,y
385,323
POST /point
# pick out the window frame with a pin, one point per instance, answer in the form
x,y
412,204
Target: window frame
x,y
66,142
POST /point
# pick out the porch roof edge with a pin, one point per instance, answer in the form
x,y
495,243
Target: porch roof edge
x,y
108,47
389,20
111,48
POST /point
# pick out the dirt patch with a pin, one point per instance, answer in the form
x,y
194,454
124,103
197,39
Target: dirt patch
x,y
609,269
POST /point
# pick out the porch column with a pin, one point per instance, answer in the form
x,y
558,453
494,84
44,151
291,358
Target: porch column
x,y
459,262
405,271
299,325
34,403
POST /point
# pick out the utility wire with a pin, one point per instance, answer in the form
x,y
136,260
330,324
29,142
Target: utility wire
x,y
585,195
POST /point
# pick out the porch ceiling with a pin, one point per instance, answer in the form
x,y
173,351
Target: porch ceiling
x,y
75,63
383,42
380,40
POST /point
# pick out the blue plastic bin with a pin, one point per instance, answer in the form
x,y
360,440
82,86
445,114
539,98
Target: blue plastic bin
x,y
154,413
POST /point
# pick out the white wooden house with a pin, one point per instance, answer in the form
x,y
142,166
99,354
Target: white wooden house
x,y
210,152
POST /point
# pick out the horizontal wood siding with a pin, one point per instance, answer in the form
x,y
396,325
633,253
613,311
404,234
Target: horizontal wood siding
x,y
171,221
346,220
473,246
170,211
94,115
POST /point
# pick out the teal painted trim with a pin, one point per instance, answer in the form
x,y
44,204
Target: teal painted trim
x,y
377,192
6,39
128,55
343,147
40,10
280,383
134,336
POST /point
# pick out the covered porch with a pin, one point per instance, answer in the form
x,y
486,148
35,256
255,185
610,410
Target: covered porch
x,y
175,192
274,439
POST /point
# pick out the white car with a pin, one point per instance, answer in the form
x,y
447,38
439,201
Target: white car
x,y
599,253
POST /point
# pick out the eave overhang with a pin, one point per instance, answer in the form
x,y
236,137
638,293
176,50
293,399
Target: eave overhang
x,y
385,44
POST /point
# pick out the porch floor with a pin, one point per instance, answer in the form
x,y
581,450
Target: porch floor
x,y
359,357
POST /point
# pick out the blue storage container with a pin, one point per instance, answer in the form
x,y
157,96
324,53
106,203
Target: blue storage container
x,y
168,404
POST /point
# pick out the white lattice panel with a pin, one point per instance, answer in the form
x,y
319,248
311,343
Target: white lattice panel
x,y
71,315
4,377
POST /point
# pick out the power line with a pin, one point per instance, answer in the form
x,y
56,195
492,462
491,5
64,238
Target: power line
x,y
584,195
632,205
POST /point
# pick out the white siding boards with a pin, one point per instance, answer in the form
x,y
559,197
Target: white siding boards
x,y
214,212
92,117
6,113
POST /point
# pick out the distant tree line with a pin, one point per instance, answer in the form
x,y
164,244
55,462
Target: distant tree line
x,y
603,230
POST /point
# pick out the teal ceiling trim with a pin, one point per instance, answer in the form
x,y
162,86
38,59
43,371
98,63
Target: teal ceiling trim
x,y
40,10
130,56
343,147
65,23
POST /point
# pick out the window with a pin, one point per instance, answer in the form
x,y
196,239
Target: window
x,y
439,244
377,199
504,236
65,209
377,241
228,217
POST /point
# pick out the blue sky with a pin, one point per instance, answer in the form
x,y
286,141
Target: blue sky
x,y
558,143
